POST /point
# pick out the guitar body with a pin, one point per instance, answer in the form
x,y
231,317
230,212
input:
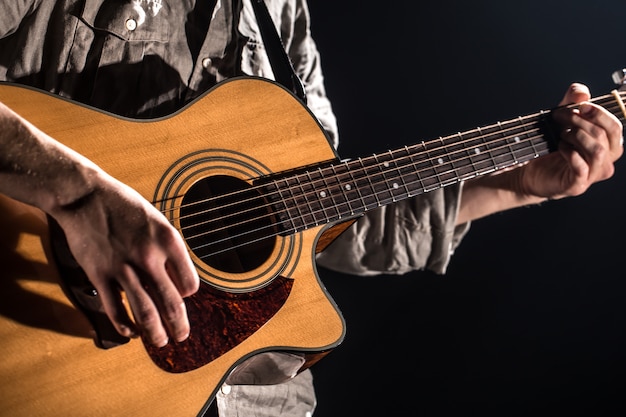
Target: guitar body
x,y
241,130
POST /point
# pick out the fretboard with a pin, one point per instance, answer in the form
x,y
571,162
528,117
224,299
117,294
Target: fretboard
x,y
333,191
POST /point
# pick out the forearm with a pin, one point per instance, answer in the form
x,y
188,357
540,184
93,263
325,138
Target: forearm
x,y
38,170
121,241
490,194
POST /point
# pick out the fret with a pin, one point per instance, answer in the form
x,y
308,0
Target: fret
x,y
320,195
433,167
494,147
418,185
404,168
447,171
480,151
364,183
500,154
484,152
540,147
297,220
514,142
382,189
438,156
329,192
274,193
522,137
515,139
433,162
288,213
331,196
456,151
344,188
393,180
307,218
355,188
423,167
537,150
474,153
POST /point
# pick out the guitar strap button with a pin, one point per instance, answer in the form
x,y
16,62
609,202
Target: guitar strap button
x,y
226,389
131,24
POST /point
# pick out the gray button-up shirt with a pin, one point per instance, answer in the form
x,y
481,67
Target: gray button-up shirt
x,y
158,55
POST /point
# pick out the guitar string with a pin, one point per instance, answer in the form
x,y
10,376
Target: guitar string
x,y
417,154
438,140
325,218
402,163
313,212
396,168
399,165
236,246
218,242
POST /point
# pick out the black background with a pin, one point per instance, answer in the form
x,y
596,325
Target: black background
x,y
530,318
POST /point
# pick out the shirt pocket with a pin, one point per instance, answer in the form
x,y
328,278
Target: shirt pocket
x,y
127,20
122,54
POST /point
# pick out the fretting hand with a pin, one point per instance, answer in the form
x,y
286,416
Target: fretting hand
x,y
591,142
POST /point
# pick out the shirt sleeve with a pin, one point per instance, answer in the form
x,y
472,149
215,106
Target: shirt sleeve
x,y
306,61
12,13
414,234
294,398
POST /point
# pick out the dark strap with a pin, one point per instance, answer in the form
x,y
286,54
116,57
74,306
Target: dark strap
x,y
280,62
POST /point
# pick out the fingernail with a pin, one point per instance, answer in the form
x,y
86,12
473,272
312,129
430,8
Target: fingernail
x,y
182,338
128,332
586,108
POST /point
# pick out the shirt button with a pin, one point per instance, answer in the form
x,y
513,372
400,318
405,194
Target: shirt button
x,y
131,24
206,63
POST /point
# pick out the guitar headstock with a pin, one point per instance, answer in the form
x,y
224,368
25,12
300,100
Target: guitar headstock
x,y
619,94
619,78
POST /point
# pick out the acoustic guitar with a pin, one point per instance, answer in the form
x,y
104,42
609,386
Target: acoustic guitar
x,y
251,181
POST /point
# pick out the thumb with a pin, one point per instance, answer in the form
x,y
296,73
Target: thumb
x,y
576,93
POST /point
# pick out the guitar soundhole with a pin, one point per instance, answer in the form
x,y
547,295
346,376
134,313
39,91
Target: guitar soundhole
x,y
227,224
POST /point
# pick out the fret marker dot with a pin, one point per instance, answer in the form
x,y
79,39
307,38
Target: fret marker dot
x,y
517,139
386,164
395,185
440,161
348,187
477,151
323,194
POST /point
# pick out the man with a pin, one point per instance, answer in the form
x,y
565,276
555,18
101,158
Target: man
x,y
156,57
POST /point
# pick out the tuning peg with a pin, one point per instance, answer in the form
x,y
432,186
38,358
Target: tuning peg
x,y
619,77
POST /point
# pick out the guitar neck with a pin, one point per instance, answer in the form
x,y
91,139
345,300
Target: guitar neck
x,y
333,191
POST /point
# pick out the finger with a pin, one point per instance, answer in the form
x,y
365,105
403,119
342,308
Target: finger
x,y
115,308
600,125
145,312
606,121
576,93
168,301
590,142
566,111
578,166
179,266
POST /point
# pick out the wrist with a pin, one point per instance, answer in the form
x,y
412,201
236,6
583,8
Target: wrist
x,y
37,170
73,189
521,190
494,193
